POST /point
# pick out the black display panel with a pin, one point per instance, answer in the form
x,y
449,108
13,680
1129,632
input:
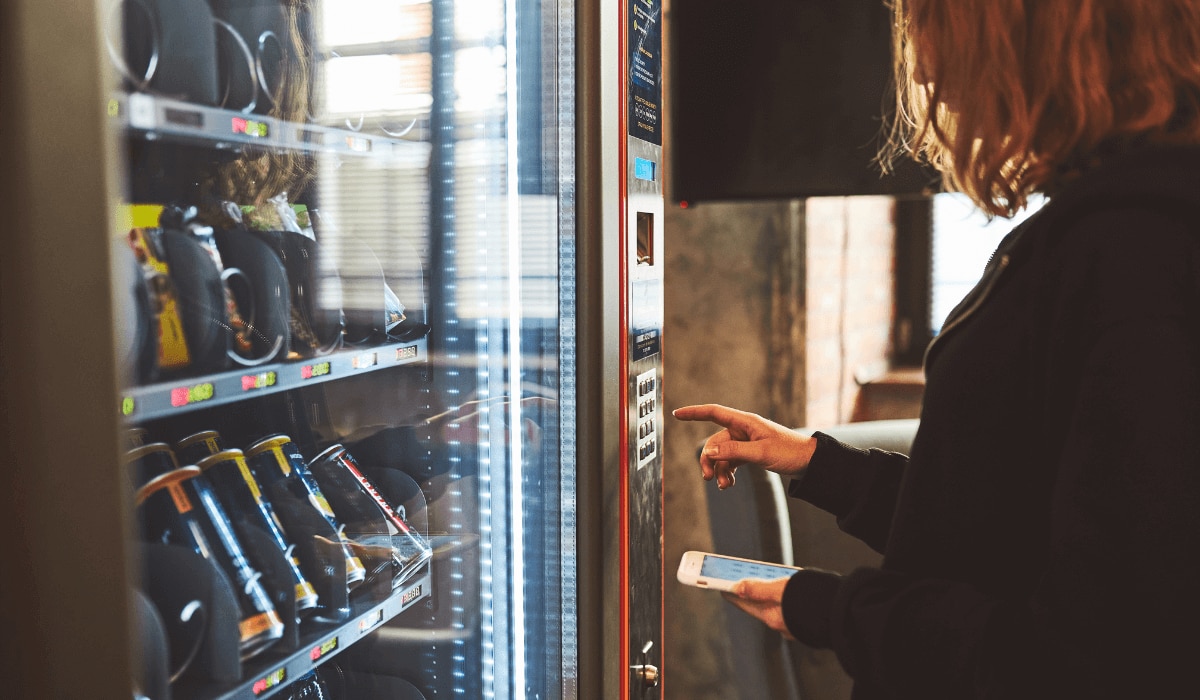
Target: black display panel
x,y
645,70
782,99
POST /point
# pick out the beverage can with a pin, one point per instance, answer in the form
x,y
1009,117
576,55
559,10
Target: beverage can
x,y
197,446
181,507
357,498
276,458
149,461
239,491
135,437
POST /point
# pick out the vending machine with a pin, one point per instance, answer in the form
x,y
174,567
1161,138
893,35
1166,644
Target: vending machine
x,y
332,337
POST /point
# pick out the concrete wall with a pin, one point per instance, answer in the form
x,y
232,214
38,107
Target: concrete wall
x,y
775,308
719,279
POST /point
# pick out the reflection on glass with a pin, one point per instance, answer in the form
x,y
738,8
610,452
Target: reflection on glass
x,y
376,21
378,85
410,217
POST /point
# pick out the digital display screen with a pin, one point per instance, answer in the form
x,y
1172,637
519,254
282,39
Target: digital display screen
x,y
185,395
318,370
370,621
734,570
356,143
410,595
249,127
324,649
644,169
276,677
309,136
258,381
184,117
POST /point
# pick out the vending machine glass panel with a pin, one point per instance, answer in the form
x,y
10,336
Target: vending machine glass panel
x,y
346,366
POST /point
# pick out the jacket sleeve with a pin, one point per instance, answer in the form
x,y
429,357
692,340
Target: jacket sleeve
x,y
859,487
1116,604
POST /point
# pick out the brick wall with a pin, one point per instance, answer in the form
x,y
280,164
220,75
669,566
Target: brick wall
x,y
849,263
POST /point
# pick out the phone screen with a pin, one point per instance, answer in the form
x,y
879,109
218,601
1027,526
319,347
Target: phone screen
x,y
734,570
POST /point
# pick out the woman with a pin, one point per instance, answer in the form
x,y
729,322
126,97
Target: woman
x,y
1043,538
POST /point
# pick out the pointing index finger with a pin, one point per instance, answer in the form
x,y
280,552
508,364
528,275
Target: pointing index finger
x,y
715,413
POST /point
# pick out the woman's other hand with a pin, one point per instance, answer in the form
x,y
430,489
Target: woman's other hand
x,y
763,600
747,438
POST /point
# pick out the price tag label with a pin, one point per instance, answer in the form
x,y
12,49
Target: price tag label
x,y
370,621
410,595
321,651
321,369
188,395
251,382
271,680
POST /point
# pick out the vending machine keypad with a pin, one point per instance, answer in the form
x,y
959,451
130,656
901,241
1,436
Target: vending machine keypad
x,y
647,433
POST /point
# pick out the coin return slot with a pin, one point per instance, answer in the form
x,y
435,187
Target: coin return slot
x,y
645,238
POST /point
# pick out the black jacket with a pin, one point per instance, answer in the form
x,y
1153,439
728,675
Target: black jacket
x,y
1043,539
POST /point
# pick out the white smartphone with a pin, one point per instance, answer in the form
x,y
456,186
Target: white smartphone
x,y
719,572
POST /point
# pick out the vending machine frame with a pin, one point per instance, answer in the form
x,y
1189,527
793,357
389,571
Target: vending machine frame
x,y
67,620
620,345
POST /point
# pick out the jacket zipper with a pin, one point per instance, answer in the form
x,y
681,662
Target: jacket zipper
x,y
989,285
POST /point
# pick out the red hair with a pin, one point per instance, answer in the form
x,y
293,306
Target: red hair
x,y
1011,97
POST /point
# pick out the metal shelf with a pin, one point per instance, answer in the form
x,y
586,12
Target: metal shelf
x,y
156,117
265,678
172,398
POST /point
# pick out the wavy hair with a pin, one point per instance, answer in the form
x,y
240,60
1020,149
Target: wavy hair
x,y
1007,98
257,174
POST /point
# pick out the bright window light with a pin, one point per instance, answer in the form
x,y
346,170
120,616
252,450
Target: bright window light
x,y
350,22
963,241
475,20
480,78
381,83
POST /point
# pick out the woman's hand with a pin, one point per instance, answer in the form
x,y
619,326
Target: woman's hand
x,y
763,600
747,438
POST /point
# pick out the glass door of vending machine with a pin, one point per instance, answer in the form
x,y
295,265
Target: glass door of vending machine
x,y
330,449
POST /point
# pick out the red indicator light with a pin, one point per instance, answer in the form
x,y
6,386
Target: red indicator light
x,y
179,397
249,382
683,205
239,125
306,372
